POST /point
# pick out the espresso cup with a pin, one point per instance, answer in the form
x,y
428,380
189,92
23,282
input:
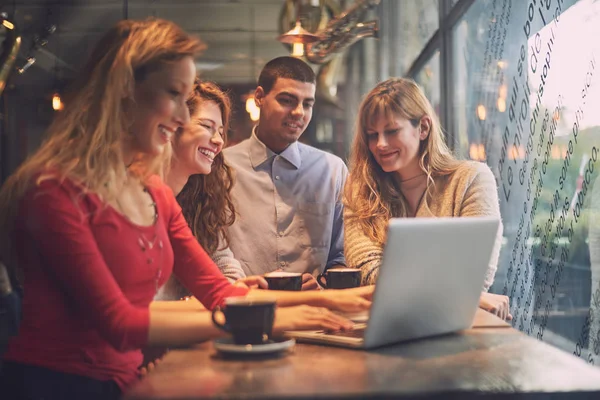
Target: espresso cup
x,y
280,280
340,278
249,321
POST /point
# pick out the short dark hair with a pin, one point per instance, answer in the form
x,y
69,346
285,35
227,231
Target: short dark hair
x,y
285,67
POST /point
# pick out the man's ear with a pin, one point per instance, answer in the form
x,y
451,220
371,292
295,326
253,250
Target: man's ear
x,y
259,95
425,126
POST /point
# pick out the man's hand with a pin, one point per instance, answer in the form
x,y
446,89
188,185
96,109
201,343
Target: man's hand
x,y
252,282
308,318
309,282
496,304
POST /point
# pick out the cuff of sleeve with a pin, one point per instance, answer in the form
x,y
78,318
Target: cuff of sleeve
x,y
235,291
336,261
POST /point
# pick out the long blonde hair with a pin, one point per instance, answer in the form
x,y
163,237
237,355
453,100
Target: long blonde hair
x,y
372,194
84,141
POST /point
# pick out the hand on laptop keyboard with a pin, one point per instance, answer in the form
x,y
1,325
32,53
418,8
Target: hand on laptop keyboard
x,y
308,318
357,332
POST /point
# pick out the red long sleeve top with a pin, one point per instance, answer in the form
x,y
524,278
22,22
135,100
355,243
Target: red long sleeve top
x,y
90,275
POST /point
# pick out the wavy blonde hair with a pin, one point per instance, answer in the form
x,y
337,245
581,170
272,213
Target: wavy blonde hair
x,y
206,199
372,194
84,142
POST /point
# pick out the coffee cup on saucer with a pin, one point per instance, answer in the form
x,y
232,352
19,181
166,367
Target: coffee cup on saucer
x,y
250,321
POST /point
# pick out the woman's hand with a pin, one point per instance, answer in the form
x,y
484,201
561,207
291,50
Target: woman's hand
x,y
496,304
255,281
349,300
308,318
148,368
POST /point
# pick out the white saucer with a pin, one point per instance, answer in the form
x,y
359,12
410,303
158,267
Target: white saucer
x,y
227,345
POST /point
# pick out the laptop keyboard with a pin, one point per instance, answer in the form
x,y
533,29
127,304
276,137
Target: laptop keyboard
x,y
355,333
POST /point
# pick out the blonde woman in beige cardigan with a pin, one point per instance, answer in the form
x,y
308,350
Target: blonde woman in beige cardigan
x,y
401,167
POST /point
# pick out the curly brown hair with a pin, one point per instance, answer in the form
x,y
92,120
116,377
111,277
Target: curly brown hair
x,y
206,199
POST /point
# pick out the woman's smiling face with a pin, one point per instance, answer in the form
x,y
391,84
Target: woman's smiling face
x,y
201,140
394,143
160,107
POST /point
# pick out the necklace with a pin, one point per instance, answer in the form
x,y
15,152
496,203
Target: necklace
x,y
409,192
410,179
420,200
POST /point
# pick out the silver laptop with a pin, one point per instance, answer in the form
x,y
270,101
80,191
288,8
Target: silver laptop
x,y
429,282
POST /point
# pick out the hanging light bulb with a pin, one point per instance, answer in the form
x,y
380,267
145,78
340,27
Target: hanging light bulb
x,y
297,49
57,103
298,36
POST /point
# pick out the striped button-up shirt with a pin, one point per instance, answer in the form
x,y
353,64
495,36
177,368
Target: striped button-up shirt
x,y
289,205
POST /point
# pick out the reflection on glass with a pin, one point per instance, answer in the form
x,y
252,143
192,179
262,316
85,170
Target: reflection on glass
x,y
451,4
415,24
429,79
525,101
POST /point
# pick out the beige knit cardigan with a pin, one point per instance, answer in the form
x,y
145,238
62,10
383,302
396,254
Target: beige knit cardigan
x,y
469,191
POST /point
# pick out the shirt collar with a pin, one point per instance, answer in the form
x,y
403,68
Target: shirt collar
x,y
259,153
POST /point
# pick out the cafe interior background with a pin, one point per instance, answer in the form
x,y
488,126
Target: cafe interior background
x,y
514,83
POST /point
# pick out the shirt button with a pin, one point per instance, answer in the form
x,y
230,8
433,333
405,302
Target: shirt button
x,y
276,177
282,263
280,233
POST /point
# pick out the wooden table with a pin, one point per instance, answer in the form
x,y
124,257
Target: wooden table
x,y
487,362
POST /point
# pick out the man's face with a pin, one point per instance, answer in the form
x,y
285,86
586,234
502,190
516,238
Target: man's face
x,y
285,112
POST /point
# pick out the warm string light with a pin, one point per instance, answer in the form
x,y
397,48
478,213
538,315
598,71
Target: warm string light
x,y
477,152
8,24
252,108
481,112
501,104
57,103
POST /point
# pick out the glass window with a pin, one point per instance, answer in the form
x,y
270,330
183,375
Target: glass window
x,y
429,79
526,90
451,4
413,24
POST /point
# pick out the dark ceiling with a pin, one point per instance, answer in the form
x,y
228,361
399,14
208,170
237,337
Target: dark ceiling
x,y
240,35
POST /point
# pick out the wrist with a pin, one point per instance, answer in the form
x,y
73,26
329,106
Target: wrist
x,y
318,298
